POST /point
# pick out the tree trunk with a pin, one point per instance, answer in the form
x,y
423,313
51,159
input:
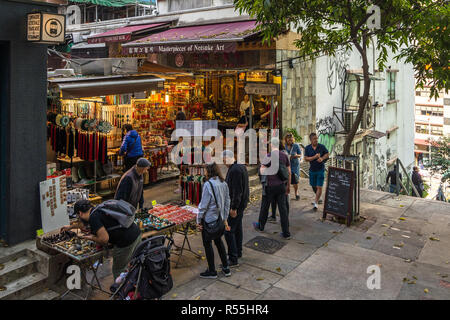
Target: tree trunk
x,y
363,101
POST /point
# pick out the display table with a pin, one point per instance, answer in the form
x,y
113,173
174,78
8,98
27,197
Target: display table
x,y
89,262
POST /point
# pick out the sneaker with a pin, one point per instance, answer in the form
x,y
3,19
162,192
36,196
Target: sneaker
x,y
272,220
232,264
226,272
285,238
256,226
297,197
208,274
320,201
315,207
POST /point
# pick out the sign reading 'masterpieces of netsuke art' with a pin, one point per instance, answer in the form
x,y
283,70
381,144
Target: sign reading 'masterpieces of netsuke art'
x,y
181,48
46,27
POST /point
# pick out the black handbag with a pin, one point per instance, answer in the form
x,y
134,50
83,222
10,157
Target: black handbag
x,y
214,229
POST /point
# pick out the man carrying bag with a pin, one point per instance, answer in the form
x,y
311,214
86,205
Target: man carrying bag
x,y
110,222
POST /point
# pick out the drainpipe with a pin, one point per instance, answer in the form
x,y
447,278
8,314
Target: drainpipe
x,y
374,180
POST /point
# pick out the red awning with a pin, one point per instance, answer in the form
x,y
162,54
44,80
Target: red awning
x,y
421,142
123,34
219,37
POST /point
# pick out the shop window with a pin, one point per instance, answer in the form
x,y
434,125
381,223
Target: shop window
x,y
391,85
178,5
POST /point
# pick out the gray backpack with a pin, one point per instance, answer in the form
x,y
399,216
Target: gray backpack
x,y
119,210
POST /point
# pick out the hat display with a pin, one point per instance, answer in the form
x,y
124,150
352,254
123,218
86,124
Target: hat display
x,y
78,122
58,119
85,125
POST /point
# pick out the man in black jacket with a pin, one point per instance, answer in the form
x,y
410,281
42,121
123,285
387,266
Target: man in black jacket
x,y
131,185
237,181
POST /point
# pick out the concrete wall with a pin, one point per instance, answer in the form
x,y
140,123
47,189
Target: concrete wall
x,y
23,124
298,93
375,154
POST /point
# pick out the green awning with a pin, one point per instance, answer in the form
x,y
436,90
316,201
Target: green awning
x,y
114,3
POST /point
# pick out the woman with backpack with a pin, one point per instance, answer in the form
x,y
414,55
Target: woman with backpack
x,y
212,218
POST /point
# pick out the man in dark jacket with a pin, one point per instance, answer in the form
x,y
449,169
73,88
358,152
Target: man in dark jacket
x,y
131,185
131,147
392,176
417,181
237,181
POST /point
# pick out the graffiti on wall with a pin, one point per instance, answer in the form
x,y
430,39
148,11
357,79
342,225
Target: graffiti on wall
x,y
336,67
326,129
380,168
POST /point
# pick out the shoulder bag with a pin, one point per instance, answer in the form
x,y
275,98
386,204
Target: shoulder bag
x,y
216,228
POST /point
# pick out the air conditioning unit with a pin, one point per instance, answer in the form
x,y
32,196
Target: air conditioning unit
x,y
367,121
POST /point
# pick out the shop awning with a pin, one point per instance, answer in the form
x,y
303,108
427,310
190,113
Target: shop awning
x,y
84,45
219,37
94,88
375,134
422,142
125,33
113,3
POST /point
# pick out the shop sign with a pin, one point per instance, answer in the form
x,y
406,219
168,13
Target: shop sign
x,y
182,48
116,38
264,89
256,76
46,27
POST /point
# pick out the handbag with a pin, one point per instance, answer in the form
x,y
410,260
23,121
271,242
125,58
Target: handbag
x,y
214,229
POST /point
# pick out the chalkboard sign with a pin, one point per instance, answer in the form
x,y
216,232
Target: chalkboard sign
x,y
339,192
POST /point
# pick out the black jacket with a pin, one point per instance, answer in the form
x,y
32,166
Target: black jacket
x,y
416,178
131,188
391,175
237,181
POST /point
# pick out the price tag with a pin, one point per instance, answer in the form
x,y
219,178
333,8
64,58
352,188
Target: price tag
x,y
39,232
153,202
188,202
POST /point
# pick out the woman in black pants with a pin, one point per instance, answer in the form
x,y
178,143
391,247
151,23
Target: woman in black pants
x,y
215,201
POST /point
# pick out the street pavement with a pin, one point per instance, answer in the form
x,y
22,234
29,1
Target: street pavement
x,y
407,238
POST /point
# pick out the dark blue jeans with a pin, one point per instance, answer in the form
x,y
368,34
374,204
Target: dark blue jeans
x,y
278,194
234,236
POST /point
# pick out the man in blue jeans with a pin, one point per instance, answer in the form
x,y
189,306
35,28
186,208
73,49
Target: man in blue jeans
x,y
316,154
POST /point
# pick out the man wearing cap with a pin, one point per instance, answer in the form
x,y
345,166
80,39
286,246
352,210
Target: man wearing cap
x,y
105,229
237,181
131,185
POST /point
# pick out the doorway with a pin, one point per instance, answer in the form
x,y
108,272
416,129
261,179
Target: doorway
x,y
4,145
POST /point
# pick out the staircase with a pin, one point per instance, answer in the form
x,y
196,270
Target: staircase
x,y
24,273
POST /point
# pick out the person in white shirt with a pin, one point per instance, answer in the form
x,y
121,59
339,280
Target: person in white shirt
x,y
245,104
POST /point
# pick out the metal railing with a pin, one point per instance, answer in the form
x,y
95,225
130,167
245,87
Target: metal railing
x,y
409,182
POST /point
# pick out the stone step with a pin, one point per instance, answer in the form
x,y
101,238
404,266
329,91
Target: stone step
x,y
45,295
16,268
24,287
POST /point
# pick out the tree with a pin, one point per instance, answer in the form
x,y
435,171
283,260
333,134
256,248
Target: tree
x,y
440,158
415,31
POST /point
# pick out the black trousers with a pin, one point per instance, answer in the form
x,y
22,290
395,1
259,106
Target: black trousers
x,y
419,190
130,162
234,236
209,252
273,206
277,193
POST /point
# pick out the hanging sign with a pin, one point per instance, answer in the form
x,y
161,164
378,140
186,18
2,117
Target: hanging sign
x,y
46,27
264,89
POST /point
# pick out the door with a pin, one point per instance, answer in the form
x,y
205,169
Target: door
x,y
4,112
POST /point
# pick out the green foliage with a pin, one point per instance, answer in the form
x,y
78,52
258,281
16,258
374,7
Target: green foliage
x,y
416,31
440,158
294,132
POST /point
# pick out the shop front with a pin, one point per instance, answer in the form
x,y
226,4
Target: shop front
x,y
223,58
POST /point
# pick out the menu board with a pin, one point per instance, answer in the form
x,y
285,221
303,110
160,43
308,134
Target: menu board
x,y
338,195
53,196
196,128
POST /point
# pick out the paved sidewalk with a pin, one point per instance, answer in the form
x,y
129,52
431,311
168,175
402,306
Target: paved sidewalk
x,y
408,238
